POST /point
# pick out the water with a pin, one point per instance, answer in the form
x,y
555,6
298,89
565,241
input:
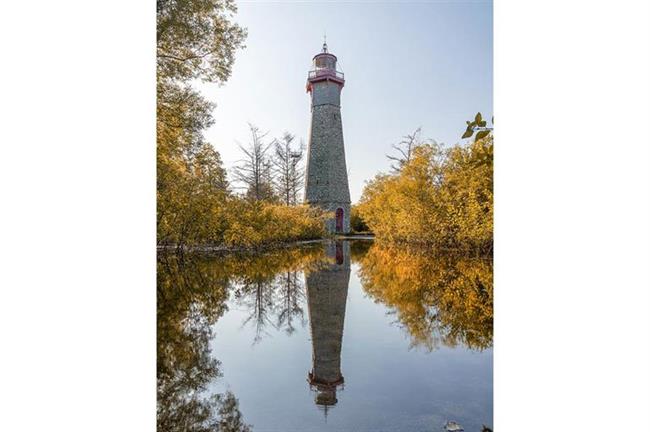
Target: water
x,y
347,336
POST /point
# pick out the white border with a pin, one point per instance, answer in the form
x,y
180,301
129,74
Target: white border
x,y
77,285
572,106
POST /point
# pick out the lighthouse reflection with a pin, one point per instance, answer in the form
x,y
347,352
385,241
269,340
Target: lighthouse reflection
x,y
327,292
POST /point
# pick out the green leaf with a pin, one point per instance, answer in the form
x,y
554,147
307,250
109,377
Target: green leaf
x,y
483,123
468,133
478,119
482,134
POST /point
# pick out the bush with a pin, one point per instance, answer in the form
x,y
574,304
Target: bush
x,y
356,221
441,198
258,223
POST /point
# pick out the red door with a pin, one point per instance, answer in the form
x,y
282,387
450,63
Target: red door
x,y
339,220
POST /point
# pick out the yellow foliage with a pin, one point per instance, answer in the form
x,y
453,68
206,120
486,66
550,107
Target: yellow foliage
x,y
256,223
195,206
442,198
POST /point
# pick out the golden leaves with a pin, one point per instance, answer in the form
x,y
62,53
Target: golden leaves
x,y
441,198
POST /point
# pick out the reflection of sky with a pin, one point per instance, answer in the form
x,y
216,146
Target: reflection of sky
x,y
423,64
387,386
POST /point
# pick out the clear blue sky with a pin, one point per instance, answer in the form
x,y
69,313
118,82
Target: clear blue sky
x,y
406,65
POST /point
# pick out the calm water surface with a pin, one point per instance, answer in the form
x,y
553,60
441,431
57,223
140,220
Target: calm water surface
x,y
341,336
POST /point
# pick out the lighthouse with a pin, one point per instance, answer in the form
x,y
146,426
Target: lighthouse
x,y
326,184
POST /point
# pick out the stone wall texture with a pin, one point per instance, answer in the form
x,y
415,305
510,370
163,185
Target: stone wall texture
x,y
327,179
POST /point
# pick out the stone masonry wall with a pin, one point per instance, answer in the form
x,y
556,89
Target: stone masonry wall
x,y
326,177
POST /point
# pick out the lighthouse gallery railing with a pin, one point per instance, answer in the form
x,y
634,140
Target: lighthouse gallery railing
x,y
325,72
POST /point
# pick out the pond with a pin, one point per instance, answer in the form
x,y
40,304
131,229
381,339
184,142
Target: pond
x,y
332,336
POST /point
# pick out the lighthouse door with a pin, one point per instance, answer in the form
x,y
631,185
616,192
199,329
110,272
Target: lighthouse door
x,y
339,220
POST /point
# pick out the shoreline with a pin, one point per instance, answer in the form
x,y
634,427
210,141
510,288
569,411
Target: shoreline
x,y
224,250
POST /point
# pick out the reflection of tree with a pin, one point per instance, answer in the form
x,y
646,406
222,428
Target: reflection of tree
x,y
191,298
257,296
359,248
291,296
437,299
271,291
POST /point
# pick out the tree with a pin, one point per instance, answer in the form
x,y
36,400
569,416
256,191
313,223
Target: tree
x,y
356,221
196,39
255,169
405,149
289,175
440,197
191,182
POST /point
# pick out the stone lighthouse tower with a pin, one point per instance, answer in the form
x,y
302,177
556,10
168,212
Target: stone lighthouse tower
x,y
326,183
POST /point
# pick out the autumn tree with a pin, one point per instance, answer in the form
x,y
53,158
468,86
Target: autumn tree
x,y
191,181
196,39
289,174
441,197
